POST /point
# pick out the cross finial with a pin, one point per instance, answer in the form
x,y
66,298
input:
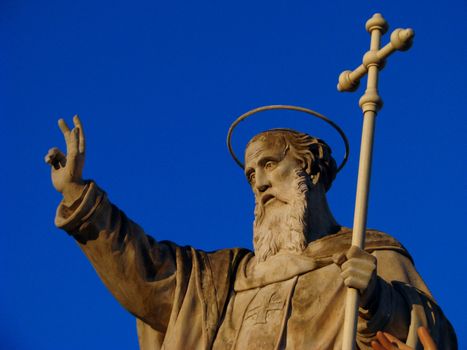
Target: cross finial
x,y
373,61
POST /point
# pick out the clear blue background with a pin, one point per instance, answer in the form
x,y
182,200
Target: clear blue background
x,y
157,84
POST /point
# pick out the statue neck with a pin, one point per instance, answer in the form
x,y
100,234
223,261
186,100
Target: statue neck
x,y
320,220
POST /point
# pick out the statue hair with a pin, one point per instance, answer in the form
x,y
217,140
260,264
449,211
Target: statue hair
x,y
323,168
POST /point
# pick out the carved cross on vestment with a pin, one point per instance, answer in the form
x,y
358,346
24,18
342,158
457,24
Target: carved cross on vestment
x,y
270,302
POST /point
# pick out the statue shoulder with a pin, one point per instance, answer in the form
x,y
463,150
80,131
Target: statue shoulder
x,y
230,254
340,242
377,240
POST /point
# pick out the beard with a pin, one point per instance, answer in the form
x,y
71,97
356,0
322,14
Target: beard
x,y
283,225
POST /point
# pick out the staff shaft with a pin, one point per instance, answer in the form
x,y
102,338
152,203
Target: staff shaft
x,y
359,226
370,102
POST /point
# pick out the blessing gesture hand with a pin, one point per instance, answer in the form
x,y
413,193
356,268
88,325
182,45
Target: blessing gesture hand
x,y
67,169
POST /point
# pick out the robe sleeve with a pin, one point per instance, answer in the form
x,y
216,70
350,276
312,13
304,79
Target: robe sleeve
x,y
138,271
403,304
172,290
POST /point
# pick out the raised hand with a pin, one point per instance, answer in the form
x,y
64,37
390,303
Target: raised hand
x,y
67,169
386,341
426,339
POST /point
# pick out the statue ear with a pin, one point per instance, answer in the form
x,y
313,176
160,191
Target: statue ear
x,y
307,163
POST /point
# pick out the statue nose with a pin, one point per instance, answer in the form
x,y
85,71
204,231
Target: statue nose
x,y
262,188
262,181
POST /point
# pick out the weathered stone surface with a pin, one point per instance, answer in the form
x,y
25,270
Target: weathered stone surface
x,y
288,293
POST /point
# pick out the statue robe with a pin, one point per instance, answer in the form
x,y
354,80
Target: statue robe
x,y
185,298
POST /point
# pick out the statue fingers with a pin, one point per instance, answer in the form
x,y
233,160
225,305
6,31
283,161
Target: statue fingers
x,y
356,252
81,140
73,143
357,274
66,133
359,265
351,276
55,158
347,268
64,128
356,282
339,258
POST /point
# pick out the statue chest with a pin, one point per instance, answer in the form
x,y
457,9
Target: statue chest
x,y
279,315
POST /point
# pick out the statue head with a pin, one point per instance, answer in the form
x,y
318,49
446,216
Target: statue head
x,y
289,173
313,154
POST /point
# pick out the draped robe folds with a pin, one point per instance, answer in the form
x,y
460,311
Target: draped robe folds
x,y
185,298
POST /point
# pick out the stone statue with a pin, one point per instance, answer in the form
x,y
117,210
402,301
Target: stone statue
x,y
287,294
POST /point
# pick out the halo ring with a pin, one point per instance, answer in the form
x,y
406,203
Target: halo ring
x,y
290,108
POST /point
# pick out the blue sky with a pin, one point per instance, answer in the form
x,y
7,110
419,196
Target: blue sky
x,y
157,85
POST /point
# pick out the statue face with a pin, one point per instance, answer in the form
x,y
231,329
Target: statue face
x,y
270,169
280,186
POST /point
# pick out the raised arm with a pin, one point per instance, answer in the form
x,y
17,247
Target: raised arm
x,y
161,283
138,271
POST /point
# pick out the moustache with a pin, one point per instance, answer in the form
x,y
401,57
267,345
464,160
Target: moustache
x,y
266,197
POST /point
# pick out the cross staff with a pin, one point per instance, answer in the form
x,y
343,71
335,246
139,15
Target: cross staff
x,y
370,103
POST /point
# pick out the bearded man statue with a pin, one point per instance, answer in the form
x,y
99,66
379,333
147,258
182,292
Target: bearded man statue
x,y
287,294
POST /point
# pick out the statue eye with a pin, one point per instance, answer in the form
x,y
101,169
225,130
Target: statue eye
x,y
270,165
251,177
